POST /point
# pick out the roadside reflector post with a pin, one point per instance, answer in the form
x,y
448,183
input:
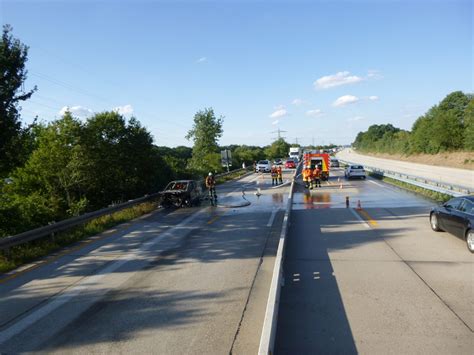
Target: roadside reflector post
x,y
347,201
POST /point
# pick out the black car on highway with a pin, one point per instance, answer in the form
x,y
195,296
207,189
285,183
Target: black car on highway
x,y
181,193
456,217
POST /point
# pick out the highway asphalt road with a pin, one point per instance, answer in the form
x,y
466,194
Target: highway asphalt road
x,y
460,177
189,281
373,281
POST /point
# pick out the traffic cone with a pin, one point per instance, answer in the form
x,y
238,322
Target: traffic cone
x,y
359,207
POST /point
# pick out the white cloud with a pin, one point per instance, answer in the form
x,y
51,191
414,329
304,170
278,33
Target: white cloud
x,y
297,102
338,79
275,122
314,113
374,74
124,110
345,100
356,118
201,60
373,98
279,113
77,111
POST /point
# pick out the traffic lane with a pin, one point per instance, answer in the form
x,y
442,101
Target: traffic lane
x,y
189,300
370,193
27,287
24,289
346,290
441,260
461,177
37,295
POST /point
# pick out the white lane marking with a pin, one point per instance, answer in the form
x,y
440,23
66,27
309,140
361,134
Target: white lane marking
x,y
356,215
316,273
296,280
296,274
89,282
272,217
376,183
386,186
316,277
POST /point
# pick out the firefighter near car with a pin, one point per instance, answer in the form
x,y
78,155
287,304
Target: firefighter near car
x,y
274,175
312,159
280,175
211,187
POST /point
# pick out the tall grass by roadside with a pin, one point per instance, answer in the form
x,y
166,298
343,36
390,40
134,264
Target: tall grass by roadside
x,y
233,175
24,253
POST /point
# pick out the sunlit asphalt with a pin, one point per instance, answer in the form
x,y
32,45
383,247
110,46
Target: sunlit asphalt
x,y
373,280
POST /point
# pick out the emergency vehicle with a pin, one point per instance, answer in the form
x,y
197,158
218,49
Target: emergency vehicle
x,y
312,159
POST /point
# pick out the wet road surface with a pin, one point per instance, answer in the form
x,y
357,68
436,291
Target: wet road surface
x,y
375,280
191,281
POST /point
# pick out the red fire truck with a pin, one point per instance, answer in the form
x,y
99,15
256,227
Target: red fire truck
x,y
312,159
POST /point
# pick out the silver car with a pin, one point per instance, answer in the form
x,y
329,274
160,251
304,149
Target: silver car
x,y
264,166
355,171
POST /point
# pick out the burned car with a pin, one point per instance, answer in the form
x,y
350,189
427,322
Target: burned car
x,y
181,193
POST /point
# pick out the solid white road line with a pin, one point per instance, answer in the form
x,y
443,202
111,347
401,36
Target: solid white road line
x,y
89,282
272,217
356,215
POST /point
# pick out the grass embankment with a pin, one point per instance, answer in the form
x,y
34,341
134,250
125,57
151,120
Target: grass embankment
x,y
25,253
437,196
459,160
22,254
233,175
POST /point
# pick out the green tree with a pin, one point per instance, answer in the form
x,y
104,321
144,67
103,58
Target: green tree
x,y
206,131
278,149
122,162
247,154
76,167
469,126
13,57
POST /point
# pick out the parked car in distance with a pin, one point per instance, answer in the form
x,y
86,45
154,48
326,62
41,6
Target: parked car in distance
x,y
181,193
456,217
353,171
290,164
278,162
264,166
334,163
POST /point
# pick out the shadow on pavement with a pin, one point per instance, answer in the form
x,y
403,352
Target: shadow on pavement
x,y
312,318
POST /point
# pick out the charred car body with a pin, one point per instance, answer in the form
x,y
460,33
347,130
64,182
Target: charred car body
x,y
181,193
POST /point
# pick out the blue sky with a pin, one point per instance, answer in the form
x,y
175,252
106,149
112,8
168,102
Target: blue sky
x,y
320,70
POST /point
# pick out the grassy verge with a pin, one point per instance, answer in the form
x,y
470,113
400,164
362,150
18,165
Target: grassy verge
x,y
231,176
22,254
437,196
28,252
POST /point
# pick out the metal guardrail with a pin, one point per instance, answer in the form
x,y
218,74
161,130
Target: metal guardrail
x,y
41,232
433,185
267,339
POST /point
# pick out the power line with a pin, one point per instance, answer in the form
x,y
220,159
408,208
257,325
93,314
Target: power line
x,y
279,131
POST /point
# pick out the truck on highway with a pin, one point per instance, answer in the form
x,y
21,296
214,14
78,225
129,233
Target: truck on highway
x,y
312,159
295,152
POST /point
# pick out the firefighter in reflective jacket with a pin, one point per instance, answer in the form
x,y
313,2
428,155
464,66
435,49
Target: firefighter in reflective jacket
x,y
306,177
316,177
274,174
280,175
